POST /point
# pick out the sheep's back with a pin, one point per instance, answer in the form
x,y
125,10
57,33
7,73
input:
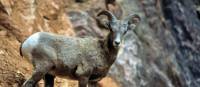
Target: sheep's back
x,y
73,50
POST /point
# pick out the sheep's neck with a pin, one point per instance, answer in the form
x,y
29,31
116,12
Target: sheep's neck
x,y
111,51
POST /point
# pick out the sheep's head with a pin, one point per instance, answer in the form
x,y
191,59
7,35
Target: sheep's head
x,y
118,28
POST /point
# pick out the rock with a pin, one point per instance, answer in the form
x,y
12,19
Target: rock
x,y
166,50
37,15
84,24
3,33
108,82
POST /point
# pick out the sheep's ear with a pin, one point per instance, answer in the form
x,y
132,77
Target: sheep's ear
x,y
133,21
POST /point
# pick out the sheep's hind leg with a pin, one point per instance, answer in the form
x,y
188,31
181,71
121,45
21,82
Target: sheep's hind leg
x,y
83,81
42,61
49,80
30,82
40,70
36,76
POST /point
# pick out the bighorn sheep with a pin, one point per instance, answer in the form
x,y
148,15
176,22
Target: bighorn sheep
x,y
84,59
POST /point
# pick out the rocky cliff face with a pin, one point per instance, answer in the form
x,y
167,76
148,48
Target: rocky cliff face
x,y
163,51
28,16
167,52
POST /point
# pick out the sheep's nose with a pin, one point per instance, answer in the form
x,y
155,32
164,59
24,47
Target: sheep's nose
x,y
116,43
117,40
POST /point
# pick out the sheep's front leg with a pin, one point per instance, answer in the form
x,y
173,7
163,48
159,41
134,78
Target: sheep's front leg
x,y
83,73
83,81
49,80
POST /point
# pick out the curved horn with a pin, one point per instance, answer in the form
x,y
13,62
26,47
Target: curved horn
x,y
111,17
134,17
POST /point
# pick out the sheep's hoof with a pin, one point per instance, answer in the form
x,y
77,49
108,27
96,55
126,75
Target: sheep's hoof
x,y
80,1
